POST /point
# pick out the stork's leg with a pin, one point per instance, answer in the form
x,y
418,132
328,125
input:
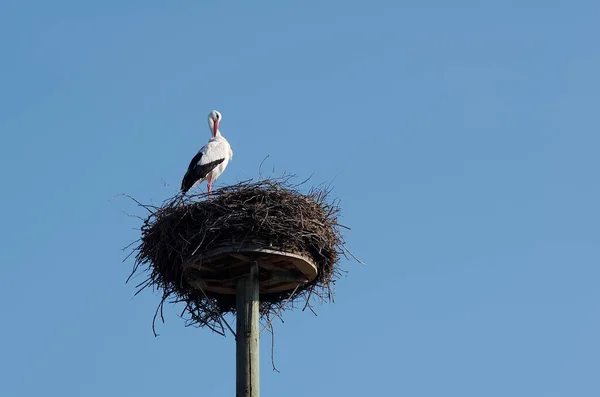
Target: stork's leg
x,y
210,187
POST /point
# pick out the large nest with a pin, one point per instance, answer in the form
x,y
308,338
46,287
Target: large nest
x,y
268,213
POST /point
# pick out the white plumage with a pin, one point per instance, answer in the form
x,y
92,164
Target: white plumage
x,y
211,160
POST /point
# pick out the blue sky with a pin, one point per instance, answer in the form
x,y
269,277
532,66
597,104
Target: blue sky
x,y
462,140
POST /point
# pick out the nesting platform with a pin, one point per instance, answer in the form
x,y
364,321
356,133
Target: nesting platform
x,y
196,248
217,271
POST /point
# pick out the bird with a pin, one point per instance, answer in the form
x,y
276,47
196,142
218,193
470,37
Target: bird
x,y
211,160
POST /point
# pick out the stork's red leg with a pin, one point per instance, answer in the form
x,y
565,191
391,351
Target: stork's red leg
x,y
210,187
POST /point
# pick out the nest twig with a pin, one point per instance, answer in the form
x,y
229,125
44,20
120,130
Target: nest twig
x,y
266,213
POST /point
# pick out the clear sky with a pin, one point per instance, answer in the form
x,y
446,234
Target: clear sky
x,y
462,140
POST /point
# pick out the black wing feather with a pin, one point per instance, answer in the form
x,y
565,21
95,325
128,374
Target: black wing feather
x,y
196,171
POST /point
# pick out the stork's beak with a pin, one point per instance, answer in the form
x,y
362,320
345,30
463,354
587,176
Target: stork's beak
x,y
215,127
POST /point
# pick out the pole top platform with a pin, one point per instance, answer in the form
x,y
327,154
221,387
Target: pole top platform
x,y
218,270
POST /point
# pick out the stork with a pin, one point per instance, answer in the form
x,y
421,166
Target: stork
x,y
211,159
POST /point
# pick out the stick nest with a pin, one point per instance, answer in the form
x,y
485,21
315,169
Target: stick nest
x,y
268,213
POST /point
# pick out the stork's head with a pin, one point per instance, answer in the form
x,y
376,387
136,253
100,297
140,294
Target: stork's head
x,y
214,118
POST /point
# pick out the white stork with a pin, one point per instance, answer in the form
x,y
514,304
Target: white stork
x,y
211,159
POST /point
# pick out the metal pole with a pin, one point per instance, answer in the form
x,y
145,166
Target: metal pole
x,y
247,334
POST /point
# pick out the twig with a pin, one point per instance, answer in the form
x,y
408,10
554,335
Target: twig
x,y
281,308
273,348
216,309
